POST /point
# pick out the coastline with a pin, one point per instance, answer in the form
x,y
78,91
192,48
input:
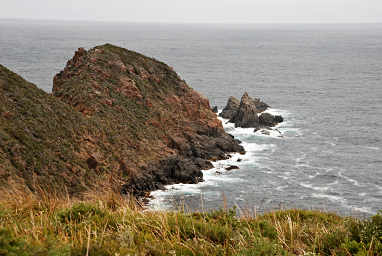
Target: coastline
x,y
158,199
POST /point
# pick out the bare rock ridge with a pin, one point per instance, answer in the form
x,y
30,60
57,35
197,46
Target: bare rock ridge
x,y
249,113
116,118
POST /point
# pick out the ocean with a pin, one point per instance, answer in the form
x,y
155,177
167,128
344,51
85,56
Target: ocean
x,y
326,80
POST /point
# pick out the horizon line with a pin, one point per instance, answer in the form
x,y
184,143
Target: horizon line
x,y
197,22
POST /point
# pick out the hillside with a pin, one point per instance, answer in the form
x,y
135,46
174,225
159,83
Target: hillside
x,y
108,224
41,139
116,119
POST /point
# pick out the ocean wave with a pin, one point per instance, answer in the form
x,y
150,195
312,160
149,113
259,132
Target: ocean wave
x,y
348,179
218,175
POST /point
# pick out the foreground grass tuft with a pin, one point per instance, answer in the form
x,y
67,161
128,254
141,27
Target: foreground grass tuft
x,y
108,224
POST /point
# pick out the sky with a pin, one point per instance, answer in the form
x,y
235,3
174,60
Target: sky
x,y
197,11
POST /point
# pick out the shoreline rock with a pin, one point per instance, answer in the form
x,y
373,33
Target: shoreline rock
x,y
231,108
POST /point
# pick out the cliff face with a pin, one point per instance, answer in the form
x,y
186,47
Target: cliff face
x,y
116,117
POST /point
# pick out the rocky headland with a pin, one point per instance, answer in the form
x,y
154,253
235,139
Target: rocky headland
x,y
116,118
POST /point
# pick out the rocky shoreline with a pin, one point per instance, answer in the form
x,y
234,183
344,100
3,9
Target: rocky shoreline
x,y
116,118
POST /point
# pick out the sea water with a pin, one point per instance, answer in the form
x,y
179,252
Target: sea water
x,y
326,81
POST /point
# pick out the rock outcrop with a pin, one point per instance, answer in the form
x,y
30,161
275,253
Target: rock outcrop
x,y
246,116
116,118
248,113
231,108
269,120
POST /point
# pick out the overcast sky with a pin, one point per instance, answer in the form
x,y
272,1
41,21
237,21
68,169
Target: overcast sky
x,y
210,11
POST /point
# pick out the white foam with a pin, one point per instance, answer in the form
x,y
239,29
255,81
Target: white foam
x,y
343,203
330,197
367,210
379,188
273,133
316,188
277,112
281,188
373,148
354,182
218,174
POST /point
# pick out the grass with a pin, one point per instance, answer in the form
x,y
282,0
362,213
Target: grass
x,y
105,223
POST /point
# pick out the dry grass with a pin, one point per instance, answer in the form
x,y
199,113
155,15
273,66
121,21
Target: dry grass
x,y
106,223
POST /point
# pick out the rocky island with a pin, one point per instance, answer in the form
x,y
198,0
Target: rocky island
x,y
249,113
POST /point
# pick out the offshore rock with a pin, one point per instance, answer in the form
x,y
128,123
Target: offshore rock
x,y
269,120
231,108
248,113
246,116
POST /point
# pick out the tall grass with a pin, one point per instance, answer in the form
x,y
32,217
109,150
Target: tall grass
x,y
106,223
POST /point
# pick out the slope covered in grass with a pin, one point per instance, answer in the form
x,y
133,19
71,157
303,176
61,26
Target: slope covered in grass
x,y
108,224
116,119
42,140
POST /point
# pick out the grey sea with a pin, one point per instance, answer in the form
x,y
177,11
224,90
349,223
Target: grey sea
x,y
326,80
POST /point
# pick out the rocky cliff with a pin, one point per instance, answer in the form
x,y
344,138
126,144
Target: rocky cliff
x,y
116,118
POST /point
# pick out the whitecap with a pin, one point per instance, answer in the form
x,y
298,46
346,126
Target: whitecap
x,y
367,210
278,112
354,182
316,188
330,197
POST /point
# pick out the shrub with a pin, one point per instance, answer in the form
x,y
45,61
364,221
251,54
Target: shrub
x,y
10,246
80,212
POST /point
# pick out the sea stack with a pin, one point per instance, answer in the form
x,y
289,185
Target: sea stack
x,y
249,113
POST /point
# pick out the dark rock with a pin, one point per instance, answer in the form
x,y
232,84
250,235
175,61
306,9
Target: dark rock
x,y
232,167
270,120
239,160
231,108
246,116
279,119
171,170
215,109
260,105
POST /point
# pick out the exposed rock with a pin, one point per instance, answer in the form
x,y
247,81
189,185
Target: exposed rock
x,y
279,119
231,108
260,105
267,119
172,170
232,167
116,117
246,113
215,109
246,116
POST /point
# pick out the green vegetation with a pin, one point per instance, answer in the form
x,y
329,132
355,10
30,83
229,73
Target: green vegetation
x,y
109,224
111,114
